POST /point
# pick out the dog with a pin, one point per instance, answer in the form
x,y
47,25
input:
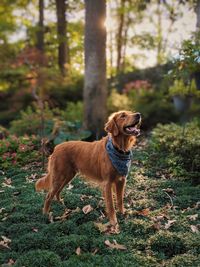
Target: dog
x,y
105,162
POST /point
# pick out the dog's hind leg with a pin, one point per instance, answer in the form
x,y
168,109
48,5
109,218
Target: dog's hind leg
x,y
49,198
66,181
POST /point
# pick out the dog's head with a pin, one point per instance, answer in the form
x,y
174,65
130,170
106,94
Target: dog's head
x,y
124,122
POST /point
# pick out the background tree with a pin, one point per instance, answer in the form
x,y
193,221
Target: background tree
x,y
40,31
63,48
95,66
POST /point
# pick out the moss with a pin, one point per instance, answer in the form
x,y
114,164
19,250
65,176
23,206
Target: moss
x,y
39,258
167,244
184,260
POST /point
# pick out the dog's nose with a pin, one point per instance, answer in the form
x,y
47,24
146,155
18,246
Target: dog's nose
x,y
138,115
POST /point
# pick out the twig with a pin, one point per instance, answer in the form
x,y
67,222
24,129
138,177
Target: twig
x,y
172,204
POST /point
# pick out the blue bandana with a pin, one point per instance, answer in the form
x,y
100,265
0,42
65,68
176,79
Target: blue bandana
x,y
120,160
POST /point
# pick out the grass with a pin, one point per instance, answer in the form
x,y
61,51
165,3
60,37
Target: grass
x,y
153,232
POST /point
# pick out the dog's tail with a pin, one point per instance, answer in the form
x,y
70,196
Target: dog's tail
x,y
44,183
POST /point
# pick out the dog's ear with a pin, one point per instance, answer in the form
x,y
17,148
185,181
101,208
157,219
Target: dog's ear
x,y
111,126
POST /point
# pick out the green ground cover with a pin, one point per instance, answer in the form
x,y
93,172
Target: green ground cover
x,y
161,227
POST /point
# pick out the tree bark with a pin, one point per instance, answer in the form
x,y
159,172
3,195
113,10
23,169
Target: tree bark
x,y
95,92
120,34
197,9
63,48
40,31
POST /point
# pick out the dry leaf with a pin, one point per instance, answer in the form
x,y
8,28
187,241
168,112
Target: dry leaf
x,y
95,251
169,191
8,181
11,262
5,242
169,224
157,225
115,245
101,227
144,212
159,218
107,228
51,217
70,186
87,209
192,217
78,251
64,216
194,228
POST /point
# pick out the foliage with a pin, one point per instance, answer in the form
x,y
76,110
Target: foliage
x,y
73,112
17,151
58,126
180,88
41,258
188,61
179,147
154,106
117,101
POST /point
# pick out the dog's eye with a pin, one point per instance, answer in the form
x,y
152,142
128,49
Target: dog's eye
x,y
123,115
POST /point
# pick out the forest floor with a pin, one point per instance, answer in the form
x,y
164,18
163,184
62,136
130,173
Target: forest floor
x,y
160,228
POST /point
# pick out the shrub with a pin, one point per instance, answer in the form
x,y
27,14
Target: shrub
x,y
17,151
39,258
154,106
179,147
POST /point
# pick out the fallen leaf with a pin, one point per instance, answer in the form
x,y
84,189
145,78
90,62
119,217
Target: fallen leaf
x,y
101,227
78,251
169,191
70,186
144,212
159,218
64,216
11,262
8,181
115,245
192,217
5,242
169,224
107,228
51,217
87,209
194,228
95,251
157,225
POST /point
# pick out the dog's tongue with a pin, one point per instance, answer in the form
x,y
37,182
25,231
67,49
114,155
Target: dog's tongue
x,y
135,131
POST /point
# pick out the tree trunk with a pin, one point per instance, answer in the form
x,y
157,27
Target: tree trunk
x,y
95,67
63,48
197,9
120,34
40,31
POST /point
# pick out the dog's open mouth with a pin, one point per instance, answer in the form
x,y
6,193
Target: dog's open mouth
x,y
133,129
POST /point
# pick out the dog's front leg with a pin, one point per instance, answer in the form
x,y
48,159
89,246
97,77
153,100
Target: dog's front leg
x,y
120,187
110,204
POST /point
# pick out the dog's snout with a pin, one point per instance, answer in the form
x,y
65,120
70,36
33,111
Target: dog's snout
x,y
138,115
